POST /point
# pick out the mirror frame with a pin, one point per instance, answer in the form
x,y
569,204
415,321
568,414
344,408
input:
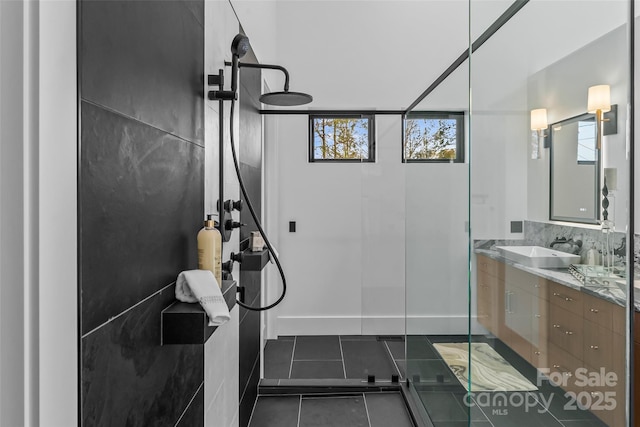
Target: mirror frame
x,y
553,217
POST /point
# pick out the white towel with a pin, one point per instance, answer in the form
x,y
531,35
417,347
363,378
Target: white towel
x,y
201,286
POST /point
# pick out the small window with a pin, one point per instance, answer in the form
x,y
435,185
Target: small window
x,y
434,137
341,138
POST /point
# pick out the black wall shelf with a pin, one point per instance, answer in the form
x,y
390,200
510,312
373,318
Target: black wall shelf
x,y
187,323
254,261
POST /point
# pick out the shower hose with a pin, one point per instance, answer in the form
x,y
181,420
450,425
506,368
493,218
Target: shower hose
x,y
255,219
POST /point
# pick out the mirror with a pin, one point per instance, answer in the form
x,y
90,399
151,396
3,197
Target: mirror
x,y
575,166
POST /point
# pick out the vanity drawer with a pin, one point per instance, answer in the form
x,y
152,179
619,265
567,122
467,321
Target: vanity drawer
x,y
490,266
540,356
566,298
487,282
562,362
597,346
528,282
598,311
565,330
619,319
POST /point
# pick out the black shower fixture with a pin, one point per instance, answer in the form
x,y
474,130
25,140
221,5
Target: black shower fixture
x,y
239,47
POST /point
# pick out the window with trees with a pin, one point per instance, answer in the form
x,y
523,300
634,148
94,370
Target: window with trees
x,y
341,138
434,137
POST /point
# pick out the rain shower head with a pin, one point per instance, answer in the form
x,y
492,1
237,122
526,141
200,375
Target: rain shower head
x,y
286,98
239,48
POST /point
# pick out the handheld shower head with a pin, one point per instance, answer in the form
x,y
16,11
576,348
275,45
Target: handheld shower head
x,y
240,45
239,48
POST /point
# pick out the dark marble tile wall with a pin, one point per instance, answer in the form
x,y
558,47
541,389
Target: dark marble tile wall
x,y
250,151
141,171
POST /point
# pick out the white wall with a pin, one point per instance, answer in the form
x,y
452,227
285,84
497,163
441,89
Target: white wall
x,y
562,89
221,382
12,309
57,209
38,286
345,263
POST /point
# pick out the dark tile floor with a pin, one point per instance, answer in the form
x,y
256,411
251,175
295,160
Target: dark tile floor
x,y
333,357
357,410
444,398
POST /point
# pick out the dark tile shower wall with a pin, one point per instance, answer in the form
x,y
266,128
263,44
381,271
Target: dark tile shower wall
x,y
141,204
250,151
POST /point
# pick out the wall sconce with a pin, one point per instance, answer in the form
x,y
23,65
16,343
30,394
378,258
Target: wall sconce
x,y
599,102
539,124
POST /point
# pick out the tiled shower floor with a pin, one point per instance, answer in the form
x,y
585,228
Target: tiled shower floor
x,y
358,410
356,357
333,357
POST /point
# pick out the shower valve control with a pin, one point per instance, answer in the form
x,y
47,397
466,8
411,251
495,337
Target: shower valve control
x,y
227,267
230,224
237,257
230,205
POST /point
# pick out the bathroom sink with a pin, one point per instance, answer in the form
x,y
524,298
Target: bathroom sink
x,y
538,257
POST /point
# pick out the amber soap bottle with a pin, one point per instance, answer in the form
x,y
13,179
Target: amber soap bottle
x,y
210,249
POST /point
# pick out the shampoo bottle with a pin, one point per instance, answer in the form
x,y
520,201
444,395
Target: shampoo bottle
x,y
210,249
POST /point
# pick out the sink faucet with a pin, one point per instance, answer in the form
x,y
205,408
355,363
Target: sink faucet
x,y
567,245
558,241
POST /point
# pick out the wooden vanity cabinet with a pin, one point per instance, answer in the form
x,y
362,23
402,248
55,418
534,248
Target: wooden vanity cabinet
x,y
490,298
553,326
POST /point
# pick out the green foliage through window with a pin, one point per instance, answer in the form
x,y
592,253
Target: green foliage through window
x,y
341,138
434,137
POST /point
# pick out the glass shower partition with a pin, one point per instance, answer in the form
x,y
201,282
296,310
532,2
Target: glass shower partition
x,y
517,295
436,163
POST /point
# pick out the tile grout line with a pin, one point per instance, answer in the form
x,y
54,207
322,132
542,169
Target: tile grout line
x,y
481,410
139,120
366,408
111,319
394,360
548,409
253,410
189,404
344,368
299,410
293,352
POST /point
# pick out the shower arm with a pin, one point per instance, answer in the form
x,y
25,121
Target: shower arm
x,y
264,66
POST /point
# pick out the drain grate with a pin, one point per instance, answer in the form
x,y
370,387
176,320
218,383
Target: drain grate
x,y
390,338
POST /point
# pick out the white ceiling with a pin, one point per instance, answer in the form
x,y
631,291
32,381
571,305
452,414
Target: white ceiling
x,y
381,54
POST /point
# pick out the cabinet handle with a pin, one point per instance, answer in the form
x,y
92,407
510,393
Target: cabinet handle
x,y
556,326
536,286
594,347
561,369
568,333
568,299
537,353
537,316
593,310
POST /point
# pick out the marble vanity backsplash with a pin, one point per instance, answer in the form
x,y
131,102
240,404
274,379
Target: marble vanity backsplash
x,y
543,234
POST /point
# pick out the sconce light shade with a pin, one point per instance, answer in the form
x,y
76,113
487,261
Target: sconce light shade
x,y
599,99
539,119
